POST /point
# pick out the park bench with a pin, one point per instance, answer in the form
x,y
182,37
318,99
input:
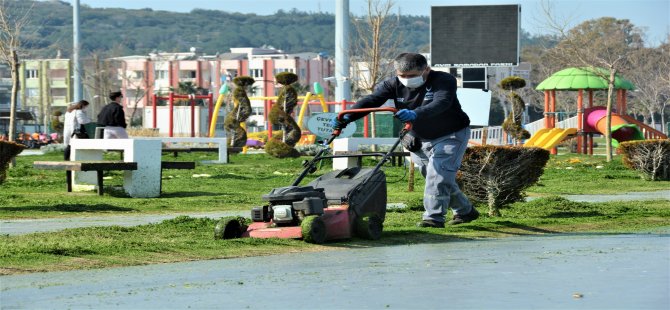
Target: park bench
x,y
98,166
101,166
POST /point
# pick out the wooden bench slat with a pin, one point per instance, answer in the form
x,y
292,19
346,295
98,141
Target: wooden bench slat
x,y
177,165
85,165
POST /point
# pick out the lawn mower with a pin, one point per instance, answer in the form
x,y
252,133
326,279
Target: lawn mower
x,y
337,205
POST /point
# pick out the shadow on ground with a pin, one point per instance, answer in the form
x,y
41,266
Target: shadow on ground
x,y
75,207
187,194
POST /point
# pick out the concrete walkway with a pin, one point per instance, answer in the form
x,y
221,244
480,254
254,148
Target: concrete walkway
x,y
20,227
588,271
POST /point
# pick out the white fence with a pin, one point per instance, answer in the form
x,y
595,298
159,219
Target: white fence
x,y
494,134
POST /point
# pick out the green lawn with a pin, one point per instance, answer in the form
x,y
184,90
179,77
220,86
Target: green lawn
x,y
239,185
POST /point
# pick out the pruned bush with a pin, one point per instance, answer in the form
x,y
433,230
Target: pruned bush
x,y
241,111
498,175
649,157
280,114
8,150
512,83
512,124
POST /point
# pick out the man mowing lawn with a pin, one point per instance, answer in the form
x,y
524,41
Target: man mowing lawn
x,y
439,135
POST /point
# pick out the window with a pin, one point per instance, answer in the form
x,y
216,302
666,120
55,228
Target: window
x,y
257,111
59,92
187,74
58,74
161,74
257,91
32,92
303,73
134,94
138,75
32,73
280,70
256,73
228,75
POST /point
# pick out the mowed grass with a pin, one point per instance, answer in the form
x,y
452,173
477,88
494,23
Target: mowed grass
x,y
31,193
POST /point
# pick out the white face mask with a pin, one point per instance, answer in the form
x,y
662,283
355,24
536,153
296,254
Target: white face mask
x,y
414,82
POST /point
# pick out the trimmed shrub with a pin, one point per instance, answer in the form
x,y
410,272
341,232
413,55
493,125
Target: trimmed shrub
x,y
280,114
498,175
512,124
512,83
649,157
8,150
240,113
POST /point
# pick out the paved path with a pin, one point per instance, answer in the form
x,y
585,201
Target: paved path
x,y
588,271
18,227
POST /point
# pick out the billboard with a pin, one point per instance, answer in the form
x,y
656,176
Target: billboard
x,y
475,36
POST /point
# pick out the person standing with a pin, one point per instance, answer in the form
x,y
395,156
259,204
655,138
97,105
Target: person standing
x,y
113,118
439,134
73,126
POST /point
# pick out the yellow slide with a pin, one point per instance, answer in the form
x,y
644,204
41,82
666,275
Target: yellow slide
x,y
549,138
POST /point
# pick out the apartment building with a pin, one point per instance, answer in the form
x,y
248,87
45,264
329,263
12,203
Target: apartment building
x,y
158,73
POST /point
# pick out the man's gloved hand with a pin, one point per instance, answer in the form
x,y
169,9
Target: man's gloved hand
x,y
406,115
338,124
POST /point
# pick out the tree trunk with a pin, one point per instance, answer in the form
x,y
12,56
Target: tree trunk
x,y
410,178
608,129
665,127
14,96
652,121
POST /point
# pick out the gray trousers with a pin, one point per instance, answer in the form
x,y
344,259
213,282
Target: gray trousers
x,y
439,160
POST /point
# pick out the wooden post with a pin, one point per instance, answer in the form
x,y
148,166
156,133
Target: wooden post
x,y
171,98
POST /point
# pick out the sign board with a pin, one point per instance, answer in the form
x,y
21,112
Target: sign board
x,y
475,36
321,125
476,103
475,78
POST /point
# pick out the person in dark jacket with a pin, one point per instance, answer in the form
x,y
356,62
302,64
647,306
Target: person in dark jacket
x,y
113,118
439,135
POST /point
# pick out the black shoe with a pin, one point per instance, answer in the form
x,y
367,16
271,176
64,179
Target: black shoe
x,y
465,218
430,223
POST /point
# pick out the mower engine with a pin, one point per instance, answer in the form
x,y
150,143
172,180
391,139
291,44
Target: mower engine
x,y
290,204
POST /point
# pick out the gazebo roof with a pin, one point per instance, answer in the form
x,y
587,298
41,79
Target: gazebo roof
x,y
582,78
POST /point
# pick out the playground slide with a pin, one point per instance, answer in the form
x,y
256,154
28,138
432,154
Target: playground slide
x,y
549,138
596,120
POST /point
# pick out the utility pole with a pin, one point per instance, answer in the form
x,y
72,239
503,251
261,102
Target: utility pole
x,y
343,81
75,52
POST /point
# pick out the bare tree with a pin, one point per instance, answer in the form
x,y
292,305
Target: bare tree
x,y
650,66
602,43
13,18
665,80
376,46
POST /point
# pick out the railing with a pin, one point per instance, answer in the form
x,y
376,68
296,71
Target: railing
x,y
647,131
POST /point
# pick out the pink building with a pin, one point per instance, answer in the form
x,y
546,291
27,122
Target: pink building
x,y
157,73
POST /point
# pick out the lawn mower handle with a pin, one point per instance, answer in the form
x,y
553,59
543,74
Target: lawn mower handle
x,y
336,133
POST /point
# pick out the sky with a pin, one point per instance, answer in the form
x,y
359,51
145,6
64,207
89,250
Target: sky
x,y
651,15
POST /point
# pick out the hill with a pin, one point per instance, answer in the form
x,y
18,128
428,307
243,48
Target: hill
x,y
116,32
